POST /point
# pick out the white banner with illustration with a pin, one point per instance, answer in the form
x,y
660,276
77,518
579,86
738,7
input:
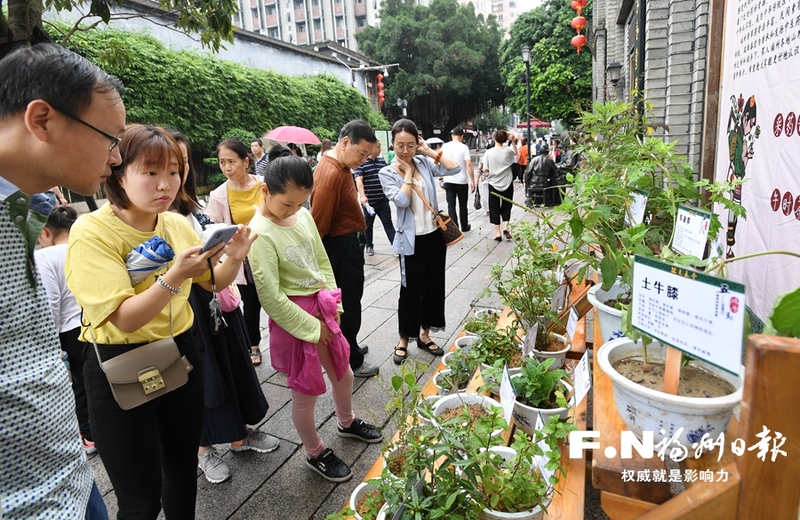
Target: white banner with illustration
x,y
759,142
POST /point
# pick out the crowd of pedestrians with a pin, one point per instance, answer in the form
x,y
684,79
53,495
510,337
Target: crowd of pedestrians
x,y
134,273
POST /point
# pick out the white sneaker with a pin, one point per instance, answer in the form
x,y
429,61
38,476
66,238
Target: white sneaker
x,y
213,467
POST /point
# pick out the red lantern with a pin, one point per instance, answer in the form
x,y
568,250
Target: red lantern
x,y
578,5
380,86
379,77
578,42
578,23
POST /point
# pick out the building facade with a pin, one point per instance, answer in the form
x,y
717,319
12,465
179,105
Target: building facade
x,y
662,48
306,22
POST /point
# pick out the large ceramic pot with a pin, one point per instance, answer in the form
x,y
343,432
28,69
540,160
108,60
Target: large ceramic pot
x,y
559,356
489,514
643,409
610,318
525,416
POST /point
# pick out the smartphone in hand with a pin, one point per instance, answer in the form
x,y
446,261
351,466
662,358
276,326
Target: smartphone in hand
x,y
219,236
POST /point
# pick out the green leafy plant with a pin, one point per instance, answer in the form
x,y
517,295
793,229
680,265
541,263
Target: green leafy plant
x,y
540,387
493,345
478,323
528,283
462,364
621,156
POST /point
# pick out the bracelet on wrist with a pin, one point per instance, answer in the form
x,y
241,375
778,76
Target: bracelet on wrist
x,y
408,181
164,285
438,156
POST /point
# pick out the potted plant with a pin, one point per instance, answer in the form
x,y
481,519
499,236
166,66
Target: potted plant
x,y
480,322
461,365
622,157
540,390
527,285
497,346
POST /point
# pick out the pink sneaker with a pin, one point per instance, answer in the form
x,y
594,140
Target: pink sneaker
x,y
88,446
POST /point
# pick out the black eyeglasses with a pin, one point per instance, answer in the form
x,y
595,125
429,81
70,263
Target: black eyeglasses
x,y
114,140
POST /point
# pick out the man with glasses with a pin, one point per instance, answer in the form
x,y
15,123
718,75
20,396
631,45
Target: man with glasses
x,y
60,118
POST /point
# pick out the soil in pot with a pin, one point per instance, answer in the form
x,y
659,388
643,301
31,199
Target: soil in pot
x,y
364,504
475,411
396,461
694,381
553,345
618,303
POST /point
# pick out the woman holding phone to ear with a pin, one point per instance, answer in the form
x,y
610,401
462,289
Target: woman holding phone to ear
x,y
149,451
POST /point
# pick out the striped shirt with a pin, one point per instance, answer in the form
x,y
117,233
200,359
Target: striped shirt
x,y
372,184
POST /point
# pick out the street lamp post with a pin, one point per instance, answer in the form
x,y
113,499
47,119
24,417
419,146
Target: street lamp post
x,y
526,57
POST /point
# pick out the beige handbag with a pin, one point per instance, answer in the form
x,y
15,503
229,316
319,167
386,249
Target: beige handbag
x,y
147,372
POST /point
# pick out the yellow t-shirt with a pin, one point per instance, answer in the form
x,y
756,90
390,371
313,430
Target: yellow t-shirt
x,y
243,203
99,242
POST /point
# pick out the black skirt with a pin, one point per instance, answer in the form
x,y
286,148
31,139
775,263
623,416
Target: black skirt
x,y
233,395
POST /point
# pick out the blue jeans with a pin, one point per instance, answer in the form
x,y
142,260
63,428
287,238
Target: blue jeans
x,y
384,212
96,508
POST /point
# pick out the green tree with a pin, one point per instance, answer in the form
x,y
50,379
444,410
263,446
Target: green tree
x,y
561,79
22,22
448,56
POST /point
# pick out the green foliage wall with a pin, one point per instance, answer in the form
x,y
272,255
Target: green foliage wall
x,y
205,97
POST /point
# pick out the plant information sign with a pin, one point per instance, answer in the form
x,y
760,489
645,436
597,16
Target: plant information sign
x,y
691,231
696,313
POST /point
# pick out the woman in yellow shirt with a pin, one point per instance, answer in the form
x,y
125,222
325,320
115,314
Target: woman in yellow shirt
x,y
150,451
235,202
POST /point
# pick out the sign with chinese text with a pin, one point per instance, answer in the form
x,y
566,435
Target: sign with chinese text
x,y
757,143
530,341
699,314
582,379
572,322
691,231
507,395
635,214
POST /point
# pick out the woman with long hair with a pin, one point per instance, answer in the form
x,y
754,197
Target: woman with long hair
x,y
418,241
234,202
233,395
150,450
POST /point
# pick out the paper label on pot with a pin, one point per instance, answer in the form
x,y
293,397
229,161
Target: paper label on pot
x,y
696,313
572,322
583,380
635,215
530,341
541,460
691,231
507,395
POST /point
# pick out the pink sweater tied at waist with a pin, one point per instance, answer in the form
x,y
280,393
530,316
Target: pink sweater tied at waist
x,y
298,359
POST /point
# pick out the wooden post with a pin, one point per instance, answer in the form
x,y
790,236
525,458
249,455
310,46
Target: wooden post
x,y
672,371
769,488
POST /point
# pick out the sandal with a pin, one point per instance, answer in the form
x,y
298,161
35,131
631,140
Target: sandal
x,y
427,347
507,235
498,239
255,356
397,358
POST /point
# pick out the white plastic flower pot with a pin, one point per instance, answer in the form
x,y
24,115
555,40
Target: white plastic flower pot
x,y
458,400
489,312
430,399
438,378
489,514
643,409
525,416
610,318
465,342
495,389
559,356
360,490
